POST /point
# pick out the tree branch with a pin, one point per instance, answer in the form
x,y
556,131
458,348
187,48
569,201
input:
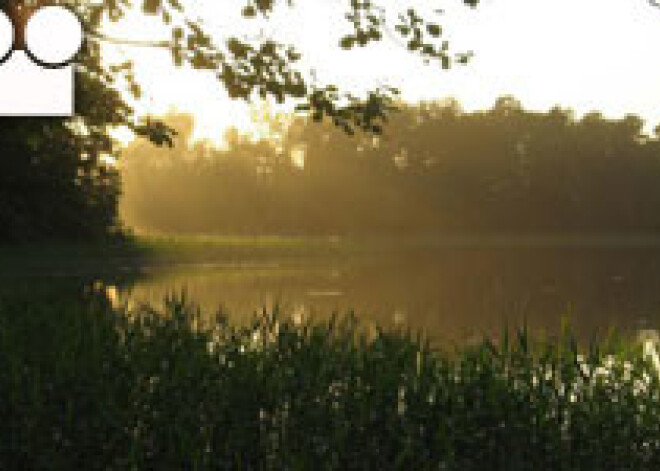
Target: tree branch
x,y
127,42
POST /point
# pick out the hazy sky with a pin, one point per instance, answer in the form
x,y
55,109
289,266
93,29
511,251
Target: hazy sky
x,y
583,54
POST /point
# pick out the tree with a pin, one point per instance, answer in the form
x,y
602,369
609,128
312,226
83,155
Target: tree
x,y
54,176
259,68
528,173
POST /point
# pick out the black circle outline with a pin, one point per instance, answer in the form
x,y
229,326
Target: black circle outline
x,y
30,54
6,57
54,65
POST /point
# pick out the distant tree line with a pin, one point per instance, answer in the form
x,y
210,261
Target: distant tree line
x,y
435,170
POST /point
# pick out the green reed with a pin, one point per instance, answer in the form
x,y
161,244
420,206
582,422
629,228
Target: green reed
x,y
86,386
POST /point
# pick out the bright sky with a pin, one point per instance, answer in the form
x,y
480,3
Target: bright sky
x,y
583,54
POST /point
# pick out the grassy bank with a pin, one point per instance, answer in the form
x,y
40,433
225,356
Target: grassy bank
x,y
84,386
137,251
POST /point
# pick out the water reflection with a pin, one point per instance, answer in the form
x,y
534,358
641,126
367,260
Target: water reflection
x,y
451,294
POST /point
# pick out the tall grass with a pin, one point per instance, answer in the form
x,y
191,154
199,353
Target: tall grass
x,y
86,386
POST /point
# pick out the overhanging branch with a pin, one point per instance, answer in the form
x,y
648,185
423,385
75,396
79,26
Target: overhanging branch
x,y
127,42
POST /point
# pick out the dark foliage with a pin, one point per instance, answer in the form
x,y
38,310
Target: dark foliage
x,y
54,182
87,387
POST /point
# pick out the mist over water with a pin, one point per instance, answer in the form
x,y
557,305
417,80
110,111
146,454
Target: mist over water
x,y
523,217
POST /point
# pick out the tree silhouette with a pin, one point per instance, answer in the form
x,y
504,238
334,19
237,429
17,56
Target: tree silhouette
x,y
54,176
526,173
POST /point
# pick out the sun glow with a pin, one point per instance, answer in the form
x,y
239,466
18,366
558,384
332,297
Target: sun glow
x,y
587,55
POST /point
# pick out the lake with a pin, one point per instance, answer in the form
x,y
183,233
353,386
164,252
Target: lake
x,y
449,292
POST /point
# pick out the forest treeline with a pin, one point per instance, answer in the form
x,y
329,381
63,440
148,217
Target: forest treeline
x,y
435,170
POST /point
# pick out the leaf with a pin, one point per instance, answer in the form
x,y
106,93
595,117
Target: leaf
x,y
446,62
434,30
464,58
135,90
403,29
375,34
362,38
151,7
414,44
428,50
249,11
292,55
347,42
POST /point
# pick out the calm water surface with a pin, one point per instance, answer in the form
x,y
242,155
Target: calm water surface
x,y
448,293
